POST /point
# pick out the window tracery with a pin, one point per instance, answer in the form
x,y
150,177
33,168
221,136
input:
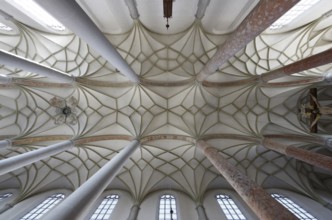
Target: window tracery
x,y
167,208
293,207
44,207
105,208
228,206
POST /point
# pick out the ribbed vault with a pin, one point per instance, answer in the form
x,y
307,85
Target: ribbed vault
x,y
168,111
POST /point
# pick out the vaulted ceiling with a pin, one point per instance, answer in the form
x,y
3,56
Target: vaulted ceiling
x,y
169,110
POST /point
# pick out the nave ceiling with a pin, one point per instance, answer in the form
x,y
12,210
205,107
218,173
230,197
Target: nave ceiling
x,y
169,110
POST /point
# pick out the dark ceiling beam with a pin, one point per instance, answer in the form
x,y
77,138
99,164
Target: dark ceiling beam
x,y
70,14
259,19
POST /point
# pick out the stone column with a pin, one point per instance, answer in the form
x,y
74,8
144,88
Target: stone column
x,y
309,157
78,204
15,162
132,6
315,139
201,8
260,18
262,204
5,144
32,66
201,212
6,207
133,212
70,14
299,66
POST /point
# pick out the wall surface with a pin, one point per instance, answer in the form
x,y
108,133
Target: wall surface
x,y
122,208
22,208
186,207
213,210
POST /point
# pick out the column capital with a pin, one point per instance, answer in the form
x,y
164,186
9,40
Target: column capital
x,y
199,205
328,142
201,8
132,6
328,77
5,143
202,145
5,79
136,206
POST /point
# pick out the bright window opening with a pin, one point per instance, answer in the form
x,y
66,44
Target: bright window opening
x,y
104,210
293,207
44,207
294,12
6,195
167,208
5,27
230,209
33,10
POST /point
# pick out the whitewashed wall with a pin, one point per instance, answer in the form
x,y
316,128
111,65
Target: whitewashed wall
x,y
22,208
186,207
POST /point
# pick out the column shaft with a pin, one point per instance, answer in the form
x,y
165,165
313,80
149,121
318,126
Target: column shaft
x,y
6,207
201,213
77,205
256,198
321,140
32,66
312,158
132,6
260,18
133,212
201,8
15,162
299,66
69,13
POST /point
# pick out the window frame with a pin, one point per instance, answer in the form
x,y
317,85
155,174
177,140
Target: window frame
x,y
175,209
42,207
101,203
3,196
300,212
15,192
237,212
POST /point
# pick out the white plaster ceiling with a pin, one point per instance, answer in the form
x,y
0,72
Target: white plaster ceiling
x,y
108,106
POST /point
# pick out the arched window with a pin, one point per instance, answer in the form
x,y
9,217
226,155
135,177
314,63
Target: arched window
x,y
167,208
293,207
228,206
5,196
44,207
105,208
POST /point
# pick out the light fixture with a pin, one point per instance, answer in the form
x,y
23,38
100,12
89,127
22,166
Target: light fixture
x,y
36,12
5,27
168,6
65,110
294,12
